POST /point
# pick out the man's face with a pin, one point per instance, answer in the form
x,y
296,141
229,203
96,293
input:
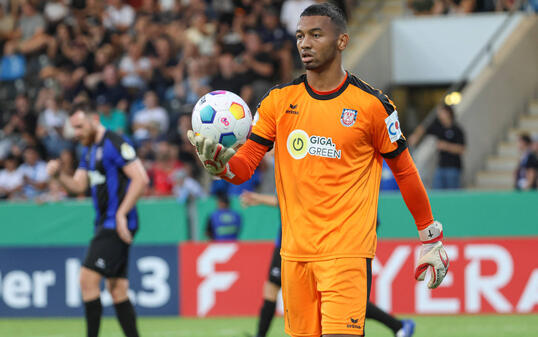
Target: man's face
x,y
317,41
30,156
444,117
83,128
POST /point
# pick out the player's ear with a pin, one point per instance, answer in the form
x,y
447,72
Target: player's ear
x,y
342,41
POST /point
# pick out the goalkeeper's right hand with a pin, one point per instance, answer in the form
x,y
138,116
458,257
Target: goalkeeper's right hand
x,y
214,156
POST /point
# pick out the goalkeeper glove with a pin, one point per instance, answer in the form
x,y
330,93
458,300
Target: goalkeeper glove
x,y
213,156
432,255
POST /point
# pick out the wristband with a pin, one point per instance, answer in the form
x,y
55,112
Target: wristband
x,y
432,233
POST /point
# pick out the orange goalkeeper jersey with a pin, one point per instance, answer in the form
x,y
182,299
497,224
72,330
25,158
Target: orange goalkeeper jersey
x,y
328,153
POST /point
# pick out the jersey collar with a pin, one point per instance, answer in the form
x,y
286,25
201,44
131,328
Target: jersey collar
x,y
327,95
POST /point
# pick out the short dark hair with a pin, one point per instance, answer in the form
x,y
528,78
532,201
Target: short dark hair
x,y
82,106
223,197
525,138
334,12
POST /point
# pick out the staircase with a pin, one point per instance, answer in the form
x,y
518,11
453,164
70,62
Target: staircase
x,y
371,13
499,170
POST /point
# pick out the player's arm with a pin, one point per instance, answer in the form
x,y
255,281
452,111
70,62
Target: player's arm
x,y
390,142
430,232
76,184
248,198
139,181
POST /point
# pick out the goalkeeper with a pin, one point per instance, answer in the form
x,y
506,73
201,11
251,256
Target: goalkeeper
x,y
328,155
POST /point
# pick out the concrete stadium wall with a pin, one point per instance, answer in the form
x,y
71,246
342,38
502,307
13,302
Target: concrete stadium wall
x,y
502,91
370,58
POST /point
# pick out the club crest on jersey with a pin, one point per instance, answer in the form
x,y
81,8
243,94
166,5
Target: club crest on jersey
x,y
348,117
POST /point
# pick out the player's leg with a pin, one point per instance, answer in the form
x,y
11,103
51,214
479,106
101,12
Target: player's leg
x,y
302,317
270,293
344,287
118,288
89,286
118,285
400,328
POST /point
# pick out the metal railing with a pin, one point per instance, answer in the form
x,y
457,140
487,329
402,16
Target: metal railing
x,y
485,51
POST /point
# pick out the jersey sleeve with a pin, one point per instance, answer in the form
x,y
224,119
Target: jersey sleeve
x,y
83,162
387,136
264,124
119,151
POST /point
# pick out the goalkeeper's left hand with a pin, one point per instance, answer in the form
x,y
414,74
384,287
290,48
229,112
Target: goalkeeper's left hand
x,y
214,156
432,255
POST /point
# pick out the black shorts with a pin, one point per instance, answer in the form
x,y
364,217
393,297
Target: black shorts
x,y
274,269
108,254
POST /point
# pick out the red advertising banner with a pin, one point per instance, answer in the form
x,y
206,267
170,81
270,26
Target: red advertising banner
x,y
222,279
485,276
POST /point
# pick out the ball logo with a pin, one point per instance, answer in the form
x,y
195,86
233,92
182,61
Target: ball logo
x,y
225,121
298,144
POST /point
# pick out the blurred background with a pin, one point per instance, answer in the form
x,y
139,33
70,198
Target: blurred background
x,y
463,75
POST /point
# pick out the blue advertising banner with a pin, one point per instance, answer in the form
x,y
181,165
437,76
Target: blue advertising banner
x,y
44,281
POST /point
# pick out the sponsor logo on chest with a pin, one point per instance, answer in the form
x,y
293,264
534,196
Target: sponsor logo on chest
x,y
300,144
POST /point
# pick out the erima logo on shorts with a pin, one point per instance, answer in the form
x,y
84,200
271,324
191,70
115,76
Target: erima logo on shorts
x,y
300,144
96,178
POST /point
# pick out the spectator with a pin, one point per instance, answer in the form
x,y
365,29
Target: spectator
x,y
163,63
35,174
11,179
12,65
7,23
450,145
224,224
22,120
55,11
135,69
118,16
161,173
227,76
278,43
186,187
112,118
50,127
257,65
29,35
527,169
288,14
202,34
152,120
107,84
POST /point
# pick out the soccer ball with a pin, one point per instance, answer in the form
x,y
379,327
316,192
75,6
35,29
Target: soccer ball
x,y
223,117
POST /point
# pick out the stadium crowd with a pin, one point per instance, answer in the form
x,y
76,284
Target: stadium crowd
x,y
447,7
142,64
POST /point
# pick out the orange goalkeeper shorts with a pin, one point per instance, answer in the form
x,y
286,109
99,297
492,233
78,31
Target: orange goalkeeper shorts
x,y
326,297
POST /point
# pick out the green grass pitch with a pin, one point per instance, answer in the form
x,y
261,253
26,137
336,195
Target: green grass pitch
x,y
427,326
